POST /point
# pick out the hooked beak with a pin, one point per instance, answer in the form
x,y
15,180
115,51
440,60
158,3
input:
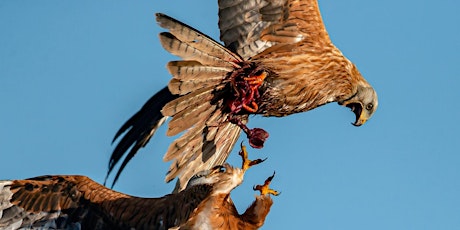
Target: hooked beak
x,y
357,109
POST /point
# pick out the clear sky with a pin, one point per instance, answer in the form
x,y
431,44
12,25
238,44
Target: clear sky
x,y
71,73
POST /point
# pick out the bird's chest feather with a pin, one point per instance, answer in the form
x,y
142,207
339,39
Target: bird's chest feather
x,y
203,219
304,86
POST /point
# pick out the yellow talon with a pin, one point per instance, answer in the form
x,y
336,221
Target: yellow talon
x,y
246,162
265,189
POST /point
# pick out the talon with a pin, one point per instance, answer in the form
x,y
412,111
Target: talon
x,y
265,189
246,162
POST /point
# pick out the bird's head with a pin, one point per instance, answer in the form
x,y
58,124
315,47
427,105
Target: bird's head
x,y
363,103
223,178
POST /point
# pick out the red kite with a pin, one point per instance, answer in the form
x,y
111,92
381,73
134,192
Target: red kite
x,y
77,202
277,60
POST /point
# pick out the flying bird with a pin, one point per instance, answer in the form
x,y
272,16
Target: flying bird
x,y
277,59
77,202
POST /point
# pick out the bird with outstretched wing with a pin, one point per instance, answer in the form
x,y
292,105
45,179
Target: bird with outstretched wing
x,y
77,202
277,60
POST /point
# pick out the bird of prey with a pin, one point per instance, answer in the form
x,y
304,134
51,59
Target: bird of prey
x,y
277,59
77,202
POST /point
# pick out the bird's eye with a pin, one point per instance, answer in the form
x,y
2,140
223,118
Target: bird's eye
x,y
219,168
369,106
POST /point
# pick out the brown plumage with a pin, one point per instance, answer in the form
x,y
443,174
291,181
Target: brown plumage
x,y
277,60
64,202
219,212
74,202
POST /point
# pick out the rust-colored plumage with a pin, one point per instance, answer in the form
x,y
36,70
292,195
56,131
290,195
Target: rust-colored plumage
x,y
219,212
277,60
77,202
65,202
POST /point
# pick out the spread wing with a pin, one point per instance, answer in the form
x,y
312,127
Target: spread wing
x,y
62,202
250,27
250,30
199,79
194,101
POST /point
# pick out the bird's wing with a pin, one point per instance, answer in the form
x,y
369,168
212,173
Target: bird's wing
x,y
54,202
200,79
193,100
62,202
250,27
138,130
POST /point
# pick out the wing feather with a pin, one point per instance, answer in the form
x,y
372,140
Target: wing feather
x,y
74,202
196,39
198,109
183,87
250,27
187,118
203,72
138,130
199,151
188,101
186,51
189,70
242,22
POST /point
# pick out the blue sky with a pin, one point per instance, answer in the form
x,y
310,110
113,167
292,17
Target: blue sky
x,y
72,73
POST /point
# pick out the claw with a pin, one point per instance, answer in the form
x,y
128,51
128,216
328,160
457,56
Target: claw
x,y
264,189
246,162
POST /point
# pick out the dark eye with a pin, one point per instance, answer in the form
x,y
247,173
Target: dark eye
x,y
369,106
221,168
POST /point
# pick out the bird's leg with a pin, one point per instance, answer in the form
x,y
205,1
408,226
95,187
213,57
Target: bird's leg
x,y
256,136
246,162
265,189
